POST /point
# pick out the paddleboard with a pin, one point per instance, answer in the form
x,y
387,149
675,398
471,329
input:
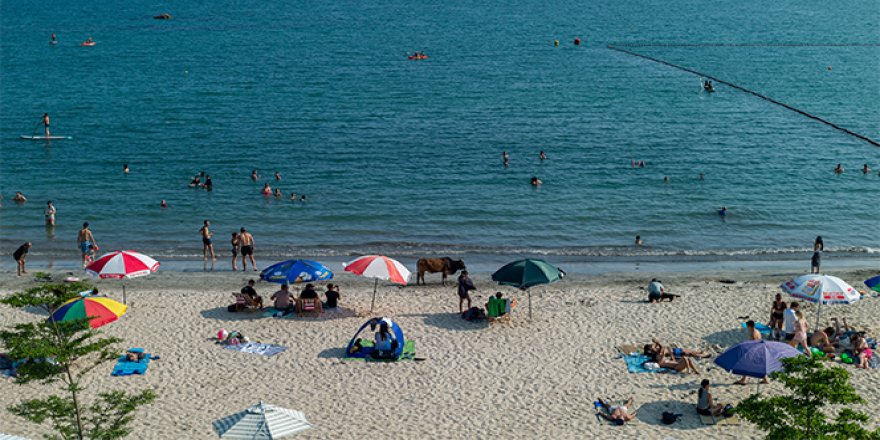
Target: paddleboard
x,y
39,138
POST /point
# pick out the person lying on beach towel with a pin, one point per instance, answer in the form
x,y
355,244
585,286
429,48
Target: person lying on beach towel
x,y
657,350
617,414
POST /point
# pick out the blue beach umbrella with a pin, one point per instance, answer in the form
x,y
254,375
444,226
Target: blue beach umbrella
x,y
874,283
756,358
296,271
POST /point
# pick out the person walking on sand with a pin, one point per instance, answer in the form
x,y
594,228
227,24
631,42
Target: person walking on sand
x,y
816,260
752,334
207,245
246,241
19,256
465,285
50,213
86,242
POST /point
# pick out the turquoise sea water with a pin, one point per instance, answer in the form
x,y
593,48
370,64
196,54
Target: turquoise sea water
x,y
404,157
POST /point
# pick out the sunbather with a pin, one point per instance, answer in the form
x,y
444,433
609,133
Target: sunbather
x,y
682,365
656,350
862,350
822,340
618,414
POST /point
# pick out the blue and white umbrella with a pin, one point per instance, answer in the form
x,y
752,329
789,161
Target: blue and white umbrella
x,y
296,271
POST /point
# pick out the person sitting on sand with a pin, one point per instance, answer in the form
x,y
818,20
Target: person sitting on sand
x,y
861,350
309,293
251,294
282,299
822,340
332,295
657,293
383,342
705,405
617,414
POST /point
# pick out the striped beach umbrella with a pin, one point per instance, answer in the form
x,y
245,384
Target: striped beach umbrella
x,y
122,264
99,310
379,267
262,421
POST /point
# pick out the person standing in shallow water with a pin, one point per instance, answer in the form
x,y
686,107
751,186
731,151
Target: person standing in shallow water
x,y
87,243
50,213
816,260
207,245
246,241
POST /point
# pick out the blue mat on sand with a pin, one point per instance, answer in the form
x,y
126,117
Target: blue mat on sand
x,y
635,363
257,348
125,367
761,328
272,312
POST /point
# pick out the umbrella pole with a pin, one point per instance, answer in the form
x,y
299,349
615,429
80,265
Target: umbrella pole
x,y
373,303
529,292
818,314
123,293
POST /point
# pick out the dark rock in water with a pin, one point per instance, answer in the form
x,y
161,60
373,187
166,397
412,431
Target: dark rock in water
x,y
162,17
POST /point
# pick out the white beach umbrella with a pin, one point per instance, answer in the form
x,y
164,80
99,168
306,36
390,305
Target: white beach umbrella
x,y
262,421
821,289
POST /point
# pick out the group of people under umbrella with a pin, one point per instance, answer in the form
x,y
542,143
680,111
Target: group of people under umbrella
x,y
753,358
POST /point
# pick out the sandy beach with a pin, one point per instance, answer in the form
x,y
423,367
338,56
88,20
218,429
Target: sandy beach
x,y
529,379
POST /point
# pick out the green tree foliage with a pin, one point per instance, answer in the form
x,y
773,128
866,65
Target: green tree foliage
x,y
63,352
801,414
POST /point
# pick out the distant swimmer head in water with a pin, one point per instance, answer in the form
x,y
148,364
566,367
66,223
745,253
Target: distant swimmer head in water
x,y
292,197
267,190
277,193
536,181
125,168
164,204
723,211
702,176
639,240
556,42
665,179
577,41
838,169
542,156
866,169
277,175
254,176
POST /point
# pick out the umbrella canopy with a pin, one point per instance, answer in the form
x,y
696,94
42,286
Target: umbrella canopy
x,y
379,267
873,283
527,273
755,358
824,289
296,271
122,264
100,311
262,421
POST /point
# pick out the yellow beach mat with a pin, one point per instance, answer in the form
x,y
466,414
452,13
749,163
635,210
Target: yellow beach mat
x,y
721,421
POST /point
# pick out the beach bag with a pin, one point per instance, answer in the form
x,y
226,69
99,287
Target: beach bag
x,y
669,418
727,411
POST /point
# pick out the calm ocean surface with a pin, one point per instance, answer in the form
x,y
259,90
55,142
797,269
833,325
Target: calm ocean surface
x,y
404,157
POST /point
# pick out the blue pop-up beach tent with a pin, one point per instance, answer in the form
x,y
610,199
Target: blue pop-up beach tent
x,y
366,351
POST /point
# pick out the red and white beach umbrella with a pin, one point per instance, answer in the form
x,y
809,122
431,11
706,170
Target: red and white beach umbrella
x,y
122,264
379,267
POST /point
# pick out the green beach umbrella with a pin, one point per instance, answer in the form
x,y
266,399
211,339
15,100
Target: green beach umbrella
x,y
524,274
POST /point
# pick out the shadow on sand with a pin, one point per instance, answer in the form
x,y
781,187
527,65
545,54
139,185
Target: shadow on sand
x,y
450,321
651,413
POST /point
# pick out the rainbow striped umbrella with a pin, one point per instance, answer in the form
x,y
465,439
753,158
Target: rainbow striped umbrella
x,y
100,310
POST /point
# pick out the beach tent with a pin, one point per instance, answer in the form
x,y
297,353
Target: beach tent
x,y
366,352
261,421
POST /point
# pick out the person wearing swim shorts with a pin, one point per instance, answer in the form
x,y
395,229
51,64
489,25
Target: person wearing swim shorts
x,y
86,242
246,241
207,245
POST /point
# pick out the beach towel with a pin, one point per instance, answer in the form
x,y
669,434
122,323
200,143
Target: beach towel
x,y
761,328
272,312
124,367
733,420
635,363
257,348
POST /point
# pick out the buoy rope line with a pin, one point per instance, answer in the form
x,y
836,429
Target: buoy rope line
x,y
743,89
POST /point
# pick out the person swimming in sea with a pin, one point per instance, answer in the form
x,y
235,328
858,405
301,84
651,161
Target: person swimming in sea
x,y
665,179
723,212
866,169
267,190
541,156
164,204
838,169
639,241
505,159
197,180
209,184
277,176
536,181
702,176
292,197
277,193
254,176
125,168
